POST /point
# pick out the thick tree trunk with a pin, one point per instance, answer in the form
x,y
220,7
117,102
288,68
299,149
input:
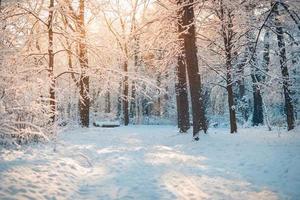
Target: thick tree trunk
x,y
190,50
84,103
51,63
183,116
125,95
289,108
182,96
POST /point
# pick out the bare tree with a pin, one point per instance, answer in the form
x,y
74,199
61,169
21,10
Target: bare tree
x,y
190,52
51,61
84,104
226,15
181,85
289,108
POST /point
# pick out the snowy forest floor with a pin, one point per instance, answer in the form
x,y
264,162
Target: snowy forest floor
x,y
155,162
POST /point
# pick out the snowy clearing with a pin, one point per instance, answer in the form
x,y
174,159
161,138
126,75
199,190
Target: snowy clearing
x,y
155,162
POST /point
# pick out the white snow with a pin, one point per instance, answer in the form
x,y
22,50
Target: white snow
x,y
155,162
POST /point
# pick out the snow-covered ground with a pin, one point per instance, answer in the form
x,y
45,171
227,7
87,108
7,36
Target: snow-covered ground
x,y
155,162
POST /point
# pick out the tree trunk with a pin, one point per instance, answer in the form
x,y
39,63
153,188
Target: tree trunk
x,y
266,53
133,100
190,50
133,106
125,95
51,63
107,102
232,115
159,99
257,117
182,97
289,108
84,103
183,116
228,34
119,102
243,101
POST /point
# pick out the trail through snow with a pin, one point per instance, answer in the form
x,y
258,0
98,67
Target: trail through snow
x,y
155,162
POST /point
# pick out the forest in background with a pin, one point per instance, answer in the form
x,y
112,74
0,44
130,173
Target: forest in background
x,y
202,63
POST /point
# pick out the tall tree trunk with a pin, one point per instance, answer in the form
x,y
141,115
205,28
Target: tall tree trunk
x,y
243,101
182,96
266,53
228,34
295,92
125,95
119,102
159,99
51,62
257,117
133,102
265,65
183,116
190,50
289,108
232,115
165,110
84,103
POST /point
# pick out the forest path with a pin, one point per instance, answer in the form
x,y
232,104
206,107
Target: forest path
x,y
155,162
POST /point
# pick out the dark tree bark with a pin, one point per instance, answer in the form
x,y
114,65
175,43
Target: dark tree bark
x,y
266,53
158,107
182,96
183,116
107,102
133,100
51,63
84,103
133,106
295,93
226,17
232,115
125,95
190,50
119,102
243,101
257,117
265,64
257,114
289,108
